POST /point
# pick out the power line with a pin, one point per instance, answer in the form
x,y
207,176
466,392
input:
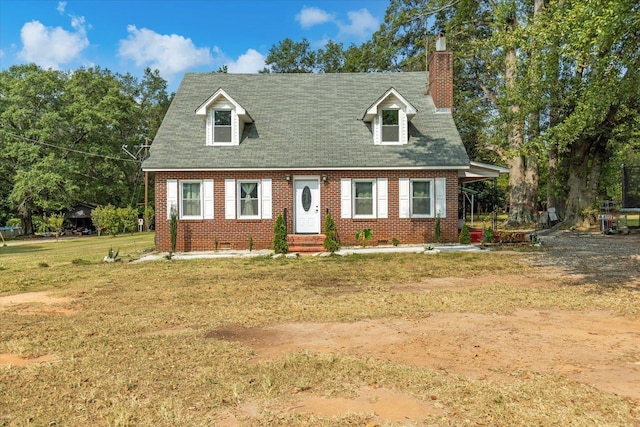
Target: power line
x,y
35,141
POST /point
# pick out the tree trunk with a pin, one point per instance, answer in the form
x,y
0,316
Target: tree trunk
x,y
521,174
585,167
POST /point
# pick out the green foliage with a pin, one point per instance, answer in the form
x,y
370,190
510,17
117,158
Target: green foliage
x,y
438,230
100,217
173,229
128,219
113,254
62,134
330,243
250,243
149,216
363,235
14,222
40,224
56,223
280,245
395,241
114,220
291,57
106,218
465,236
488,236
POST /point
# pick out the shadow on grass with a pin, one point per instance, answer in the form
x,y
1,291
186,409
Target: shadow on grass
x,y
20,249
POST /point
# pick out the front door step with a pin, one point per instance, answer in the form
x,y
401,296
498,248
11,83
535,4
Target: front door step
x,y
305,243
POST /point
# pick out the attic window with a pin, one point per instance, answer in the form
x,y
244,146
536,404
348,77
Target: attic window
x,y
222,126
390,126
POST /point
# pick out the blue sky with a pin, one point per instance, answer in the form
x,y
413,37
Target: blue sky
x,y
173,36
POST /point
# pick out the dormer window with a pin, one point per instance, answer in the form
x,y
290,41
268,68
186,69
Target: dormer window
x,y
222,126
390,126
389,117
224,119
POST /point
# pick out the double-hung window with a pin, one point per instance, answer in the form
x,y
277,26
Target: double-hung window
x,y
364,199
190,199
390,126
249,199
421,198
222,126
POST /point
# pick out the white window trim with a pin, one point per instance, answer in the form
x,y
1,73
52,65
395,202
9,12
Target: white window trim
x,y
213,129
374,198
211,125
239,183
438,197
432,204
181,198
382,126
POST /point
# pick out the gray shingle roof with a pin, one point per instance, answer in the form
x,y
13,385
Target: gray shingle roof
x,y
305,121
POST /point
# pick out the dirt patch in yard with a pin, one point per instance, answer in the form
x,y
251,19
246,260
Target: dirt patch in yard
x,y
42,303
595,348
15,360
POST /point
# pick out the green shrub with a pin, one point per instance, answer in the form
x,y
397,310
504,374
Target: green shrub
x,y
173,229
149,216
280,245
127,219
488,235
330,243
465,236
438,230
106,218
395,242
363,235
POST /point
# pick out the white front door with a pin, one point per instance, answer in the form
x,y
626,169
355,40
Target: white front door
x,y
307,205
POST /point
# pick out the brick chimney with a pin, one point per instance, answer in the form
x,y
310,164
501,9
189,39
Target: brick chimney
x,y
441,76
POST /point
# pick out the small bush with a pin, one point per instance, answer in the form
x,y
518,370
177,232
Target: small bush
x,y
465,236
395,242
487,235
438,230
363,235
330,243
173,229
280,245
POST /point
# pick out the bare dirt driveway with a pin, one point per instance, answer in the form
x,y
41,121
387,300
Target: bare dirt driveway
x,y
596,348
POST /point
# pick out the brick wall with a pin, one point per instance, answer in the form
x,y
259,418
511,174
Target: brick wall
x,y
441,79
199,235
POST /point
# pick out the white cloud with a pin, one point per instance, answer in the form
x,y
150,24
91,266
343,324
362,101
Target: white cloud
x,y
250,62
362,24
61,7
310,16
171,54
50,47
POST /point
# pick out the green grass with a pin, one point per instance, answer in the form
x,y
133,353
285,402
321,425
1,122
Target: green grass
x,y
112,370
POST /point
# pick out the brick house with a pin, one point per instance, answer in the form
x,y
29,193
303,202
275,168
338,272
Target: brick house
x,y
372,149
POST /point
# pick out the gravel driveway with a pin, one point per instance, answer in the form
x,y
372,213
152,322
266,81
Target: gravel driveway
x,y
603,259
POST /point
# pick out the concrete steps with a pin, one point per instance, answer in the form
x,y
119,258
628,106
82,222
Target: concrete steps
x,y
305,243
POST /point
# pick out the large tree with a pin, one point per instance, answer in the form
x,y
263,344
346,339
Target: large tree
x,y
61,135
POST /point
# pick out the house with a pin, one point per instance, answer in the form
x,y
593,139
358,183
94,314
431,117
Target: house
x,y
374,150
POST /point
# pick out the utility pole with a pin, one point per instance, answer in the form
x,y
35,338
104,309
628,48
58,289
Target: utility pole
x,y
146,183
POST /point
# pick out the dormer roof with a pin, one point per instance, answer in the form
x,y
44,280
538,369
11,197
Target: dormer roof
x,y
216,97
391,93
305,122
